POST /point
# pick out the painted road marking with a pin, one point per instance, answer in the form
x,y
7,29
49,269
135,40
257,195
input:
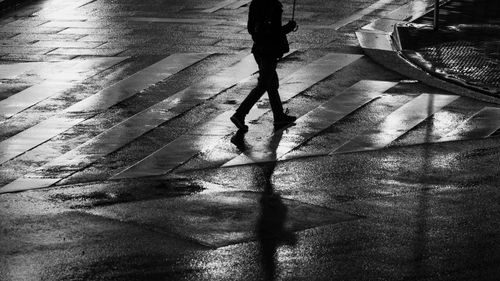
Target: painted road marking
x,y
61,8
152,117
208,135
356,16
11,71
178,20
480,125
59,82
31,96
238,4
181,149
23,184
313,122
39,70
135,126
219,6
397,123
47,129
137,82
306,77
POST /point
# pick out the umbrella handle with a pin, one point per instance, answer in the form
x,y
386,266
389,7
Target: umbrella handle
x,y
293,16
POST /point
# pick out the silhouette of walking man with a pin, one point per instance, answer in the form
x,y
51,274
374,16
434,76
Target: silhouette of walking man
x,y
270,43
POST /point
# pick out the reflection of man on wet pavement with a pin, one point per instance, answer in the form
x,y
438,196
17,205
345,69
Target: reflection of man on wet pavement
x,y
270,43
271,228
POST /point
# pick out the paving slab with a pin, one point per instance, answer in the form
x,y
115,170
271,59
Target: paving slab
x,y
284,140
397,123
92,105
207,136
221,219
482,124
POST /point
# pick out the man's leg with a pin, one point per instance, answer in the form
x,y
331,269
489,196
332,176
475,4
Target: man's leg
x,y
280,117
250,100
274,96
265,77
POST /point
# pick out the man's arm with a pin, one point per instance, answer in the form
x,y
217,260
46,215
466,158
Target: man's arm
x,y
289,27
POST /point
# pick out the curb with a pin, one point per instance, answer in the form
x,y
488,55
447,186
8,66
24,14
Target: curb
x,y
405,53
380,40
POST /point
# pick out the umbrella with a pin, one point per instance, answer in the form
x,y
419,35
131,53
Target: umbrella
x,y
293,14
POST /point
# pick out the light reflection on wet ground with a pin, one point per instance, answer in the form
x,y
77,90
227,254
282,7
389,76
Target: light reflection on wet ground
x,y
386,214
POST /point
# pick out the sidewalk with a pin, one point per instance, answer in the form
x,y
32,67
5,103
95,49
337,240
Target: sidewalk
x,y
465,50
462,57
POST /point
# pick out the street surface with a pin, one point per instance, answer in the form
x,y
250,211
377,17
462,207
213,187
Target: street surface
x,y
118,161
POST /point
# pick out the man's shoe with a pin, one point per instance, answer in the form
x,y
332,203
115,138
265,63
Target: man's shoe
x,y
284,120
239,122
239,140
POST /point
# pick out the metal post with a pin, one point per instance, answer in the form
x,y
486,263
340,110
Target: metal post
x,y
436,15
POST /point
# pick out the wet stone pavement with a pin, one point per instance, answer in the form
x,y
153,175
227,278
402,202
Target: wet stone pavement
x,y
118,160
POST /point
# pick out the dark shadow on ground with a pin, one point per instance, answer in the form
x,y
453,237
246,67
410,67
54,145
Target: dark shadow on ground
x,y
271,227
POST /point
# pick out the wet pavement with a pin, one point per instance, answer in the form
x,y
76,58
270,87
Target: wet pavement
x,y
119,162
408,213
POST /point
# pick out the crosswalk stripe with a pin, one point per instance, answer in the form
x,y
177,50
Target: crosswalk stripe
x,y
306,77
219,6
23,184
238,4
61,81
208,135
77,69
358,15
135,126
137,82
56,9
313,122
11,71
41,70
480,125
397,123
150,118
92,105
34,136
181,149
30,96
178,20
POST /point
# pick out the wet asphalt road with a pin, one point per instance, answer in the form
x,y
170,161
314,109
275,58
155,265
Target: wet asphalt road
x,y
130,174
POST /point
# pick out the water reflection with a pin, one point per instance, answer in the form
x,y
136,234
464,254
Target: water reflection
x,y
421,239
271,227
